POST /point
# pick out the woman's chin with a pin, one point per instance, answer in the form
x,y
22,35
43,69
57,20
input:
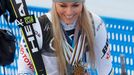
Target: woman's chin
x,y
69,22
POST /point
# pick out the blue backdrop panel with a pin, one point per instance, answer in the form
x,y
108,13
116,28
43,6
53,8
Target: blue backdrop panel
x,y
120,33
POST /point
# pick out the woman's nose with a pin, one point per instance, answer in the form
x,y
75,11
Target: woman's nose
x,y
69,11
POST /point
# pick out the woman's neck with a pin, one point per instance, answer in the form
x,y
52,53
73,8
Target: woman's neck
x,y
68,26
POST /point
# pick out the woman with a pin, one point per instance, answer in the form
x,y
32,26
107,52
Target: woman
x,y
74,41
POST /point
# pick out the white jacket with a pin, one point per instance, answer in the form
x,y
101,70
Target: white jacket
x,y
102,51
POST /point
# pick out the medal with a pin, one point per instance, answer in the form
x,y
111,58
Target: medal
x,y
78,70
73,53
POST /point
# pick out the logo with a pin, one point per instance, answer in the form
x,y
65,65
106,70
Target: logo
x,y
24,74
27,29
25,58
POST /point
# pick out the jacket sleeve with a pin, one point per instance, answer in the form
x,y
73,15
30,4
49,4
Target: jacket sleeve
x,y
102,47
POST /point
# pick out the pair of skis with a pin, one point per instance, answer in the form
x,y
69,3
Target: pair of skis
x,y
25,21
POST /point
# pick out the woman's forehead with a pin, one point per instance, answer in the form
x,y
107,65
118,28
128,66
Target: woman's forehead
x,y
68,3
68,0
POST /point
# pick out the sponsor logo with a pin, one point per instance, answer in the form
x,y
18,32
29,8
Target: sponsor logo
x,y
108,54
25,58
27,29
105,49
51,43
37,33
100,26
24,74
21,7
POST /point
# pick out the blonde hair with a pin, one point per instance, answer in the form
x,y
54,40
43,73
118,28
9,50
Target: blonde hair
x,y
85,23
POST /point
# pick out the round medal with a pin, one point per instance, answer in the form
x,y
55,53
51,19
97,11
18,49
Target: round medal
x,y
79,70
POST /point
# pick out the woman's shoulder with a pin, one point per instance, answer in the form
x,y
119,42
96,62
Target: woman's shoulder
x,y
45,20
101,38
96,19
101,47
45,17
98,24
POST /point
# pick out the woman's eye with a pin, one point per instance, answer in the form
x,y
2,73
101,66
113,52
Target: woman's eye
x,y
76,5
62,6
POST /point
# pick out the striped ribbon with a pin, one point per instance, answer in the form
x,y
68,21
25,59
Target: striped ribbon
x,y
74,54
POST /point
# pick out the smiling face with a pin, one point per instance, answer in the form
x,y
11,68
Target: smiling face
x,y
68,11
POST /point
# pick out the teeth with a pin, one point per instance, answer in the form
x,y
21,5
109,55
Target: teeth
x,y
69,17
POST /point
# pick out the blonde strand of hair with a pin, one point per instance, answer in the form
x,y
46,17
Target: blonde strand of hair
x,y
86,25
58,42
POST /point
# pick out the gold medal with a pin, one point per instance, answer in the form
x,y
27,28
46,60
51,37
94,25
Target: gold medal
x,y
78,70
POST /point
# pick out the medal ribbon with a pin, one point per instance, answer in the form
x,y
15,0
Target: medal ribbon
x,y
74,54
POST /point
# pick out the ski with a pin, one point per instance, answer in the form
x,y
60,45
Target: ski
x,y
25,21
